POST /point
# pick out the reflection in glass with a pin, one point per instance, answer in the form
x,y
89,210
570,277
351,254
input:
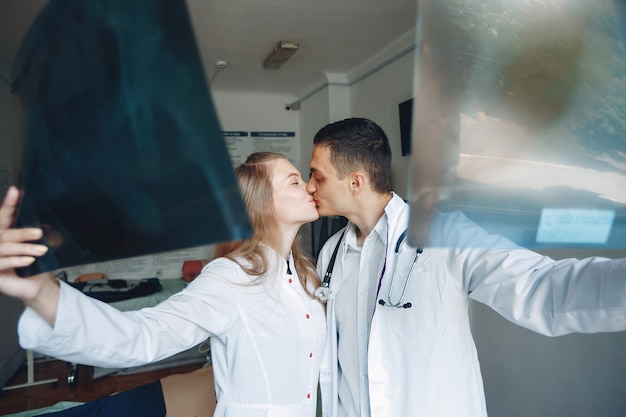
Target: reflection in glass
x,y
531,118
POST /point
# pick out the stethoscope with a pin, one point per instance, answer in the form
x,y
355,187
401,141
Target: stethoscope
x,y
323,291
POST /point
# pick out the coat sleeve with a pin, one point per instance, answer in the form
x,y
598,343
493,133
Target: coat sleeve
x,y
551,297
91,332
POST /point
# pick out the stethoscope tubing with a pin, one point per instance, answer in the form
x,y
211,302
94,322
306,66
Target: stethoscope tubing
x,y
400,302
323,291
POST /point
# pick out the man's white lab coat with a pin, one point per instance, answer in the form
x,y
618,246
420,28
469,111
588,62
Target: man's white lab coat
x,y
422,360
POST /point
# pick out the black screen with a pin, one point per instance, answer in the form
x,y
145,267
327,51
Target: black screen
x,y
405,111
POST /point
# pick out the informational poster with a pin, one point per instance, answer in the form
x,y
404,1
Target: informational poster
x,y
240,144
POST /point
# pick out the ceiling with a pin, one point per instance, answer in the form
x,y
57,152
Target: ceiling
x,y
334,36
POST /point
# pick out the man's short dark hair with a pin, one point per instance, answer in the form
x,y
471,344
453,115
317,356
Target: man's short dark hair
x,y
358,144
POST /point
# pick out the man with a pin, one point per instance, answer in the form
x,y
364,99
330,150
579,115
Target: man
x,y
399,340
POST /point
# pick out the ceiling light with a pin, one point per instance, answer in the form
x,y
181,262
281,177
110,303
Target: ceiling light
x,y
280,54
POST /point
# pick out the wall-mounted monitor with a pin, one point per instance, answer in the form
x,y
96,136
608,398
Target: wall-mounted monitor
x,y
405,112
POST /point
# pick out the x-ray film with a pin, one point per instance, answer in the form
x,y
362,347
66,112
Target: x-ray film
x,y
519,120
121,150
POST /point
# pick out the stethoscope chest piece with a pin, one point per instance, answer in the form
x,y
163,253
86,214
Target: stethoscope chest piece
x,y
400,303
322,293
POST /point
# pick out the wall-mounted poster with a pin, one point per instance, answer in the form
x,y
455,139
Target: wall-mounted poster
x,y
240,144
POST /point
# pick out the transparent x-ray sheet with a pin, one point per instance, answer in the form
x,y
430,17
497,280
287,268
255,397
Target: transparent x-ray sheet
x,y
121,150
520,120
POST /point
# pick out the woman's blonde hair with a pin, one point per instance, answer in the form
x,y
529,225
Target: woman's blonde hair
x,y
255,182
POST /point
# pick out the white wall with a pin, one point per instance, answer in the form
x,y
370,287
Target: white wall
x,y
373,90
376,97
240,111
314,114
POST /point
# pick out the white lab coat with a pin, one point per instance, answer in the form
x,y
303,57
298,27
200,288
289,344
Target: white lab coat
x,y
422,360
266,340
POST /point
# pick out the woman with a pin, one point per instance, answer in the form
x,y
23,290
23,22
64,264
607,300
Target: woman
x,y
255,302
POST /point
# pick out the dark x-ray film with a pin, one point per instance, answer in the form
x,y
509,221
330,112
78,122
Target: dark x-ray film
x,y
519,120
121,150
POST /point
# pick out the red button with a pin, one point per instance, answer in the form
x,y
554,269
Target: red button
x,y
290,280
308,395
308,317
310,355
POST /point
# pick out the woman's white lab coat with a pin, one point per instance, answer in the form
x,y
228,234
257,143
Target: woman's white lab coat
x,y
266,340
422,360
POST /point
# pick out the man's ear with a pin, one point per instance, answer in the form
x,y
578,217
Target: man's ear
x,y
357,181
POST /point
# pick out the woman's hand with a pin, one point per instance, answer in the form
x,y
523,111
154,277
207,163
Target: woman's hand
x,y
41,292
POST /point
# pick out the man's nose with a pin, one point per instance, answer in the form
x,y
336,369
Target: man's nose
x,y
310,187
